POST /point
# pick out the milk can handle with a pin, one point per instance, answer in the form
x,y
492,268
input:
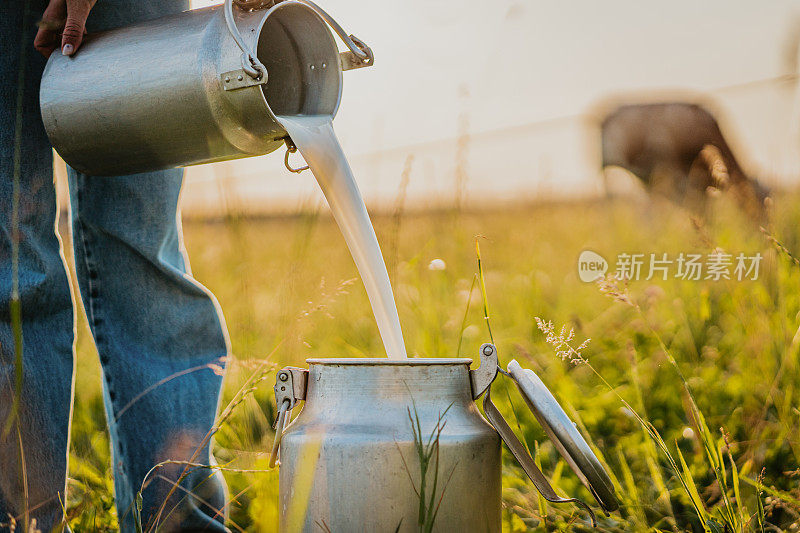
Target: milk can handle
x,y
284,414
356,45
362,55
250,62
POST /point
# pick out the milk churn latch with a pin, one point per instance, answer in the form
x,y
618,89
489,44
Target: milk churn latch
x,y
556,424
239,79
482,379
290,387
253,71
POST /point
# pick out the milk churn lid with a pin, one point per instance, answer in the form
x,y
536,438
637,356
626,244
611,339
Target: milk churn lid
x,y
565,436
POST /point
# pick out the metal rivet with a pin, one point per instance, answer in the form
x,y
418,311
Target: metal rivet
x,y
283,376
488,350
227,79
283,388
324,65
312,67
240,77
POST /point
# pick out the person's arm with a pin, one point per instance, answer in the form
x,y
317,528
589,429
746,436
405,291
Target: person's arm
x,y
63,25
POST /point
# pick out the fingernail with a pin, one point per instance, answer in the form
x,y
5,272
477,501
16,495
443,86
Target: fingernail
x,y
67,49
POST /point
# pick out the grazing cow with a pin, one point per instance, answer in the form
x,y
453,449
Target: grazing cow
x,y
677,150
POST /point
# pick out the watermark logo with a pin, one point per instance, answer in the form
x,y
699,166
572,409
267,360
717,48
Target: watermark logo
x,y
591,266
715,266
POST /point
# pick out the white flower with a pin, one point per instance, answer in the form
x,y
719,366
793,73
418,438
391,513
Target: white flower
x,y
437,264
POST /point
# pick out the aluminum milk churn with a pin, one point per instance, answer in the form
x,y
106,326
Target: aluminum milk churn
x,y
354,458
194,87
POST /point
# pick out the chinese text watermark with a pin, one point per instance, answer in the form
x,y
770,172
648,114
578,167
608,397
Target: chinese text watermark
x,y
715,266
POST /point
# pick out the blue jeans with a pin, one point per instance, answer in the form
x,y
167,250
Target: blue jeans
x,y
150,319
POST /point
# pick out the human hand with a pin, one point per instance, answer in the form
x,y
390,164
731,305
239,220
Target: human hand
x,y
62,26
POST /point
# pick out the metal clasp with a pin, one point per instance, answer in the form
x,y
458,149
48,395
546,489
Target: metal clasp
x,y
482,379
290,149
239,79
350,59
290,387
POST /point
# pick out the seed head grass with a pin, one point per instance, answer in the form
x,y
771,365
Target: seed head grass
x,y
717,357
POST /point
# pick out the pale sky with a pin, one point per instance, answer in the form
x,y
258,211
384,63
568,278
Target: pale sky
x,y
497,69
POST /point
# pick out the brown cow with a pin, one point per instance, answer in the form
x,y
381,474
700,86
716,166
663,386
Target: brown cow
x,y
677,150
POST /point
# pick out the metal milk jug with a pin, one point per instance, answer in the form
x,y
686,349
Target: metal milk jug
x,y
351,460
194,87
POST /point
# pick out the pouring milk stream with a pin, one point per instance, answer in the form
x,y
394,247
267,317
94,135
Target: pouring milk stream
x,y
316,141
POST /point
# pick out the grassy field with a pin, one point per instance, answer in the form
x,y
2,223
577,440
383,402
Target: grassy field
x,y
719,451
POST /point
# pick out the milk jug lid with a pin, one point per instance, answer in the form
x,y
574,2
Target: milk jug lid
x,y
565,435
557,425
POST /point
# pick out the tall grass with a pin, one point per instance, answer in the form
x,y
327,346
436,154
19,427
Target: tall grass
x,y
427,485
680,361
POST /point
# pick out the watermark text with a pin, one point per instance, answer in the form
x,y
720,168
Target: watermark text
x,y
715,266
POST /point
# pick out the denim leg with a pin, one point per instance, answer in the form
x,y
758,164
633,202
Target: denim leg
x,y
160,334
46,307
161,340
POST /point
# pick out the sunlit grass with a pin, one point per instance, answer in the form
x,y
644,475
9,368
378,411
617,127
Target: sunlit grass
x,y
284,284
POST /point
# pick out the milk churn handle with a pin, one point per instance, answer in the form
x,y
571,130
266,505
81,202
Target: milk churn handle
x,y
360,54
256,69
356,45
250,62
284,414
